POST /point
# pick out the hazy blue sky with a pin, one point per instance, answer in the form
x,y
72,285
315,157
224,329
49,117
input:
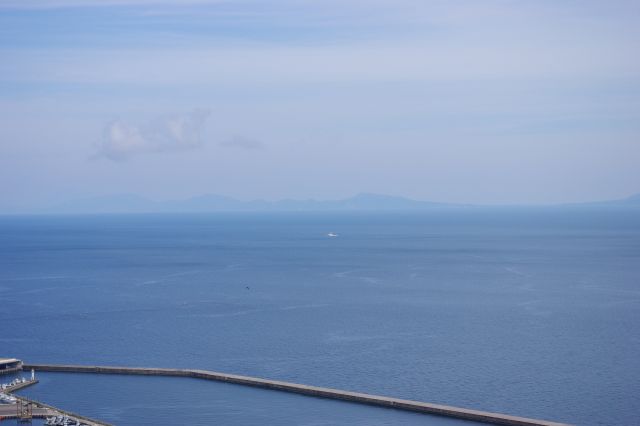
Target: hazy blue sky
x,y
459,101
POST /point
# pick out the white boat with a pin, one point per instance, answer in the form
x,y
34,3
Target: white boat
x,y
7,398
331,234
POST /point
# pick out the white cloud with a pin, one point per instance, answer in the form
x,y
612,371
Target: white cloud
x,y
177,133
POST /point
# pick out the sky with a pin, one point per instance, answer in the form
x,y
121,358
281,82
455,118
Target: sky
x,y
473,101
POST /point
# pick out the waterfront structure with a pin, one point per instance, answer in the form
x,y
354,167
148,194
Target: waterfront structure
x,y
10,365
356,397
361,398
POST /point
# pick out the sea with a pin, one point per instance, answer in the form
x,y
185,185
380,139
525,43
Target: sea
x,y
532,312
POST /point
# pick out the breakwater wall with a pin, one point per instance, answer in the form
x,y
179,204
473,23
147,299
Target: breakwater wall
x,y
362,398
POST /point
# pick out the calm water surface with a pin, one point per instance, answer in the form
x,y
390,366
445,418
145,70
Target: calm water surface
x,y
527,312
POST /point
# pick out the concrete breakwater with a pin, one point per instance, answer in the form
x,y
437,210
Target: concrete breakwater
x,y
362,398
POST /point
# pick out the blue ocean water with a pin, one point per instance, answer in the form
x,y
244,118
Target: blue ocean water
x,y
531,312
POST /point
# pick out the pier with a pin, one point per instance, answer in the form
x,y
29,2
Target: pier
x,y
321,392
18,386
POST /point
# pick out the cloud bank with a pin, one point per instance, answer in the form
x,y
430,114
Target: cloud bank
x,y
123,140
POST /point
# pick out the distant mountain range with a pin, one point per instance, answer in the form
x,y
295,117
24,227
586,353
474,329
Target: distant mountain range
x,y
128,203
